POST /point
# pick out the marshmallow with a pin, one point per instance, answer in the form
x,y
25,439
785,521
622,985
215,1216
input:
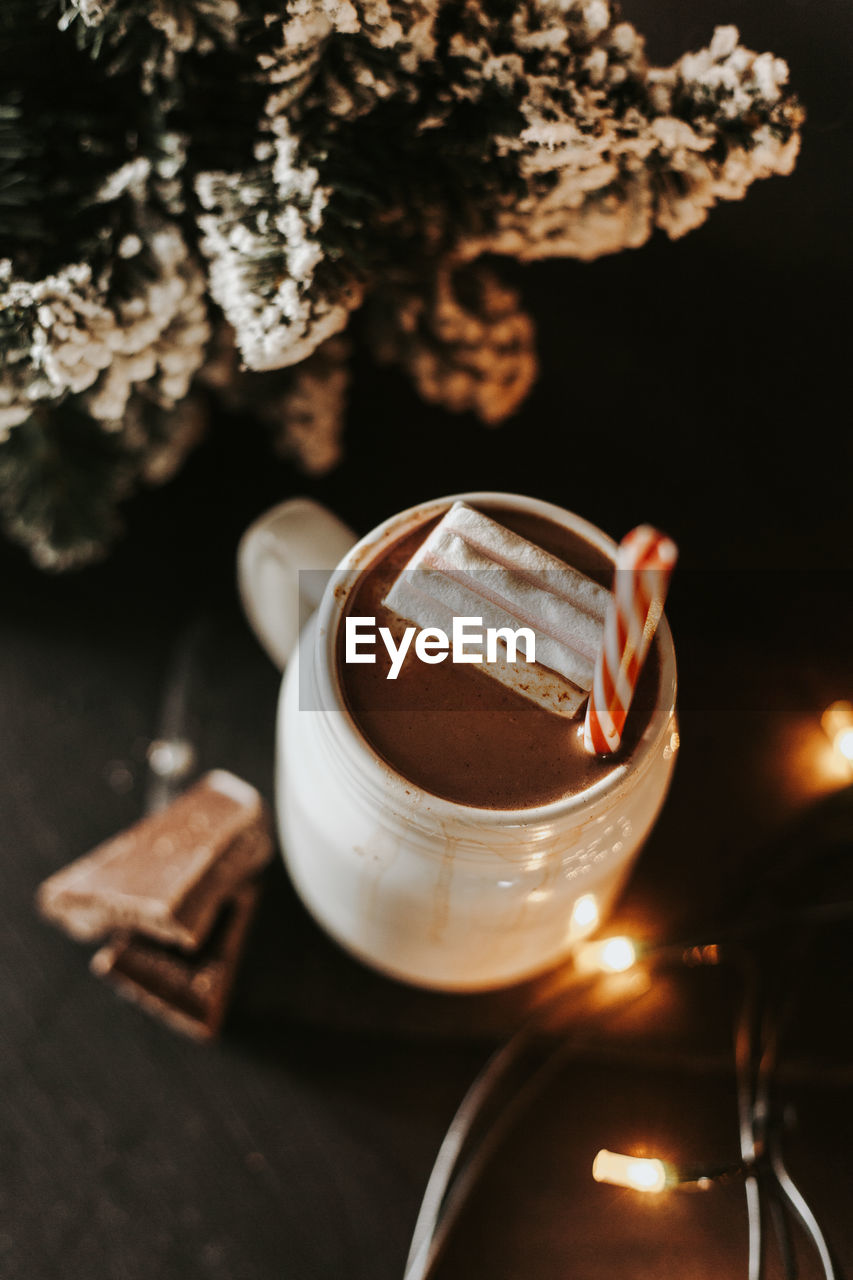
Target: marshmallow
x,y
471,566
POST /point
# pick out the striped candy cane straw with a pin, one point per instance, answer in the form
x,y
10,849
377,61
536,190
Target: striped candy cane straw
x,y
644,563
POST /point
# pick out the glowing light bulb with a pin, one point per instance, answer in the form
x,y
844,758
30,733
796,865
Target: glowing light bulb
x,y
837,723
633,1172
617,955
610,955
585,914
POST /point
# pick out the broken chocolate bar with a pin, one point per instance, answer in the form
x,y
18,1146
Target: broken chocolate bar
x,y
188,992
168,876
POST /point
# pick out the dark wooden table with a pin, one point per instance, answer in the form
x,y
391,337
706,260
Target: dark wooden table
x,y
702,386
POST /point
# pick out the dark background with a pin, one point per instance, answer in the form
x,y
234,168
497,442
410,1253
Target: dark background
x,y
702,386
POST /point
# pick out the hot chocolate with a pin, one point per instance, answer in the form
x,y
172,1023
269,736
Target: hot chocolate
x,y
453,731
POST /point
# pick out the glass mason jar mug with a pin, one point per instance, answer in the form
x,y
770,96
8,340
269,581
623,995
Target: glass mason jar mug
x,y
426,889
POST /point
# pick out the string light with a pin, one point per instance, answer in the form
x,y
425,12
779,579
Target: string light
x,y
608,955
635,1172
837,724
760,1167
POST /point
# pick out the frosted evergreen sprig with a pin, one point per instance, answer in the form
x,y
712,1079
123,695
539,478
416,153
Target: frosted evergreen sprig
x,y
465,341
150,39
289,164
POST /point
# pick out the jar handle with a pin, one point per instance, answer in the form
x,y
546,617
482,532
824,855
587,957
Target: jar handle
x,y
284,560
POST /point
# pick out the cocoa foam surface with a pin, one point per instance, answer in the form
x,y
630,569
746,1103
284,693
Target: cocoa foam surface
x,y
452,729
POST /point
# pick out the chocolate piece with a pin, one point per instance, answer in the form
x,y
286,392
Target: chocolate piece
x,y
167,876
188,992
